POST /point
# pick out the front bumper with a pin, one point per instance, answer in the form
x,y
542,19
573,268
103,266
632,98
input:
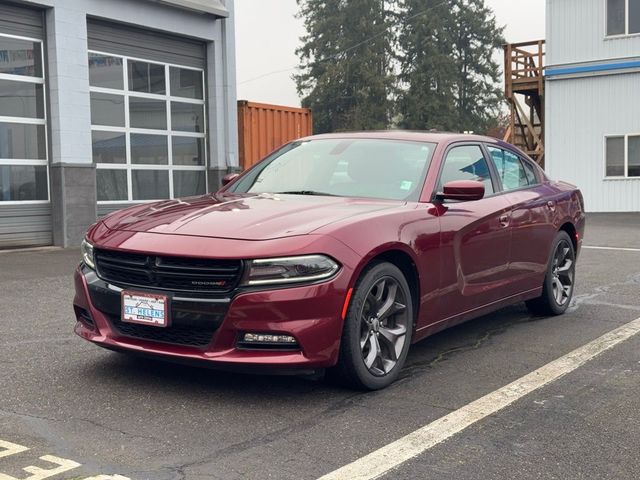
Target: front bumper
x,y
208,329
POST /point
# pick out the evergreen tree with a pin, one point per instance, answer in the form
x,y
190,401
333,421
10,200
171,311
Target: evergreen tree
x,y
427,72
346,75
449,80
476,37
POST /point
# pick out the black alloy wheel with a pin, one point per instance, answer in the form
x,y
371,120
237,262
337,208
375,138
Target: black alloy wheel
x,y
558,286
378,329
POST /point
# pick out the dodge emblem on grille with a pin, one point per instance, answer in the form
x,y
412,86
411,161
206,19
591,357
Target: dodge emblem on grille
x,y
199,283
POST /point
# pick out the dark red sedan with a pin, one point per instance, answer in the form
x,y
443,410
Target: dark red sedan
x,y
336,251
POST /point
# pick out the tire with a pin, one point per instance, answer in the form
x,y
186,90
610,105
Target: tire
x,y
558,286
377,330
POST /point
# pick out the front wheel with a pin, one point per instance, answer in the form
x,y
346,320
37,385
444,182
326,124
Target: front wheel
x,y
557,289
377,330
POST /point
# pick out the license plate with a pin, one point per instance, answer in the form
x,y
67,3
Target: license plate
x,y
145,309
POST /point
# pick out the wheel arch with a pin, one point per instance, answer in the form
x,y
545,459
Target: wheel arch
x,y
572,232
402,257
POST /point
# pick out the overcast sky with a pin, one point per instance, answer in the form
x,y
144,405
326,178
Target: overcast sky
x,y
267,34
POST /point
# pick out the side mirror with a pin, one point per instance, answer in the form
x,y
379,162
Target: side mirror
x,y
228,178
462,190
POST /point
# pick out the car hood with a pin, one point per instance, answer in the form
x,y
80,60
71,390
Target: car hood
x,y
255,217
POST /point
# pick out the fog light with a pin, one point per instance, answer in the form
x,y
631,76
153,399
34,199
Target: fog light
x,y
267,338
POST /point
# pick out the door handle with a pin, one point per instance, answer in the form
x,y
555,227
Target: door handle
x,y
504,221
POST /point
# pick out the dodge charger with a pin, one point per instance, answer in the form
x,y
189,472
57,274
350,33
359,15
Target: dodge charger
x,y
335,253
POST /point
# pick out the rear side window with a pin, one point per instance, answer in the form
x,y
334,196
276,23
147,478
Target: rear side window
x,y
466,163
530,172
510,169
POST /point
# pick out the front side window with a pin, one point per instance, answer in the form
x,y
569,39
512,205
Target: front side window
x,y
622,156
24,175
623,17
148,129
511,170
369,168
466,163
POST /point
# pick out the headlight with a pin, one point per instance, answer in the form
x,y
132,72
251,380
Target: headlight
x,y
308,268
87,254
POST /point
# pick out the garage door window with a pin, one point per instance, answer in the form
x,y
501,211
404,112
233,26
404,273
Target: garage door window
x,y
622,156
149,129
24,176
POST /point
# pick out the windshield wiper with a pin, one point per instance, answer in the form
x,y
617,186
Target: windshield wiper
x,y
306,192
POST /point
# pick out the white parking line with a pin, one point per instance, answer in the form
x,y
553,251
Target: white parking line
x,y
622,249
381,461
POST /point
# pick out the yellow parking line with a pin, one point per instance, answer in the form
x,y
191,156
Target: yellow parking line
x,y
62,465
11,448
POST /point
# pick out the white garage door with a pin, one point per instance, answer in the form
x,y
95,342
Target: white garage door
x,y
25,207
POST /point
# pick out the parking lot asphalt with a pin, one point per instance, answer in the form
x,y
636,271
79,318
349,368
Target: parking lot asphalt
x,y
94,412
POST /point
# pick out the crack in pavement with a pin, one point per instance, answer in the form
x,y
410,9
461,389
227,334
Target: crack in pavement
x,y
11,413
585,298
635,308
331,411
417,368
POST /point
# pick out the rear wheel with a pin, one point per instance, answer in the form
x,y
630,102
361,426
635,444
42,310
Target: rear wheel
x,y
557,289
377,330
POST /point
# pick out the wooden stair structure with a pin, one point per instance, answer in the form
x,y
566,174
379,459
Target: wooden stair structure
x,y
524,90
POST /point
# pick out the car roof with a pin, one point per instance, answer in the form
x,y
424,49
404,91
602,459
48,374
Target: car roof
x,y
416,136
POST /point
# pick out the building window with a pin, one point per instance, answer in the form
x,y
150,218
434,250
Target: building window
x,y
622,156
623,17
148,129
24,173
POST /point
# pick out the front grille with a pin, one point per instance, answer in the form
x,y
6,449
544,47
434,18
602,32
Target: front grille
x,y
177,334
176,274
191,322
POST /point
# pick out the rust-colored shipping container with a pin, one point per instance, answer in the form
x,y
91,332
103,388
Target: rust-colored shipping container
x,y
262,128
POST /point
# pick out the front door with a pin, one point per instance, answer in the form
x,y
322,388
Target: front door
x,y
475,237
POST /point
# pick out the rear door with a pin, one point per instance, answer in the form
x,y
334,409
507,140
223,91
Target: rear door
x,y
532,218
475,236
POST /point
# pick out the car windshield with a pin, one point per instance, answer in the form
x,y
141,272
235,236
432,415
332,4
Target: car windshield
x,y
370,168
